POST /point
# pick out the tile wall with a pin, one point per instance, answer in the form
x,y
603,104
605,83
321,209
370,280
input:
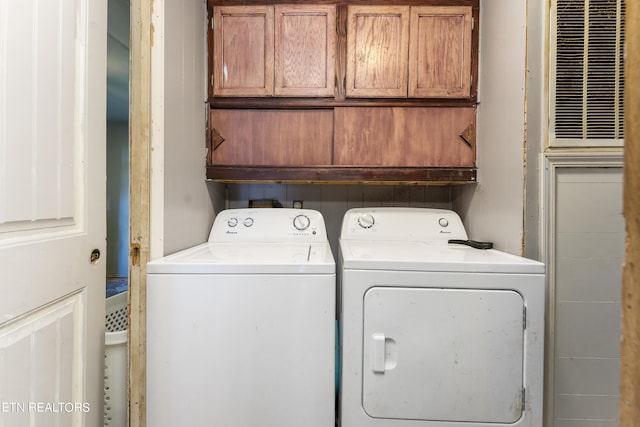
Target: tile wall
x,y
587,289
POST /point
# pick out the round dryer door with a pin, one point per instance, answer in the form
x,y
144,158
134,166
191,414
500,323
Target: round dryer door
x,y
443,354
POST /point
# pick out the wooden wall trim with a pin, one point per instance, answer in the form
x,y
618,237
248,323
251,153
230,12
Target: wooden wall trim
x,y
275,103
342,175
139,200
630,343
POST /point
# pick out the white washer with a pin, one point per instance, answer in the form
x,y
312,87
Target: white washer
x,y
436,334
241,329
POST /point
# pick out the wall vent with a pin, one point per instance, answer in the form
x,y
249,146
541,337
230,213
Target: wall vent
x,y
587,73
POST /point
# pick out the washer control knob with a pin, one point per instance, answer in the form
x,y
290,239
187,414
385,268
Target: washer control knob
x,y
232,222
366,220
444,222
248,222
301,222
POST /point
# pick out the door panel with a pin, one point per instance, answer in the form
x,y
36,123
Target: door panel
x,y
440,52
305,44
377,48
36,344
52,209
243,51
272,138
394,136
443,354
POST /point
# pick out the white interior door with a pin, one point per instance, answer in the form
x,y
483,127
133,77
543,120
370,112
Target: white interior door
x,y
52,211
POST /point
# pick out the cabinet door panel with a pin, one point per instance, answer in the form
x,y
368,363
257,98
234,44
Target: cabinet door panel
x,y
305,38
377,48
440,51
411,137
273,137
243,51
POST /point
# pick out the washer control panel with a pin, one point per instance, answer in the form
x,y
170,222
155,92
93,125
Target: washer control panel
x,y
366,220
268,225
414,224
301,222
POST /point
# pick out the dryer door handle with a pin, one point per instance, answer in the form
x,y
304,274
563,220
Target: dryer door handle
x,y
378,357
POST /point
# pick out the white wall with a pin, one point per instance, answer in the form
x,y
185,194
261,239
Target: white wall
x,y
493,208
118,138
117,199
537,100
182,201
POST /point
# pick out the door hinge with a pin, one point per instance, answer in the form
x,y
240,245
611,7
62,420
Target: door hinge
x,y
134,254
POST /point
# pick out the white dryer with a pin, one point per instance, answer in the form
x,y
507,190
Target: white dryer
x,y
241,329
436,334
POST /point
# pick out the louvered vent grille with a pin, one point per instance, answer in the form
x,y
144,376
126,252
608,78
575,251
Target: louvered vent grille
x,y
589,73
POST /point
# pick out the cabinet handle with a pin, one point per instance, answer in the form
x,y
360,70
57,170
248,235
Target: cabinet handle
x,y
217,139
468,135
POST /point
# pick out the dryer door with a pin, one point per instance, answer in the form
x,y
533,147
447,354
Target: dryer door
x,y
443,354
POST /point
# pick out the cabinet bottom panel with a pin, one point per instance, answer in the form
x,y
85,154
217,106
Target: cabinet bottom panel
x,y
342,175
407,137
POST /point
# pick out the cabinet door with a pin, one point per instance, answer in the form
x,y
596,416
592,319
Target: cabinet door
x,y
412,137
440,51
243,51
305,39
377,48
272,137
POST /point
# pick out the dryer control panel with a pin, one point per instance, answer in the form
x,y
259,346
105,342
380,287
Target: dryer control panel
x,y
433,226
268,225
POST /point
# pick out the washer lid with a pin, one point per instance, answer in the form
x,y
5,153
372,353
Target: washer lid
x,y
420,256
248,258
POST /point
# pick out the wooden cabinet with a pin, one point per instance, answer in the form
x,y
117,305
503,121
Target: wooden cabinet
x,y
283,50
346,144
417,51
347,92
